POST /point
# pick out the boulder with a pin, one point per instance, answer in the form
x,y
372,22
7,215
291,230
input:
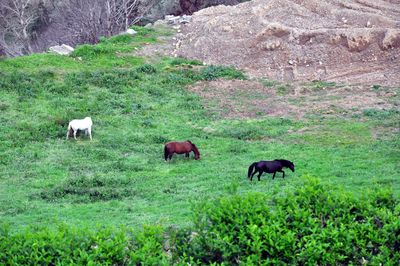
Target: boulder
x,y
61,49
131,31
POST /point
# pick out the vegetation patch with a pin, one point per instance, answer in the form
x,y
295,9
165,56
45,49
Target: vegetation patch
x,y
215,72
251,129
82,246
381,114
97,188
313,223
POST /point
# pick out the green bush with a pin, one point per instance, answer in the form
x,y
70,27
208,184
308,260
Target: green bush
x,y
311,224
314,224
72,246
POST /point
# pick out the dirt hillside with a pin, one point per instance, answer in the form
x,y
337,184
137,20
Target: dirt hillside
x,y
352,41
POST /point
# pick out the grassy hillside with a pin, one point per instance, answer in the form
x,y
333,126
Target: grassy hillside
x,y
120,178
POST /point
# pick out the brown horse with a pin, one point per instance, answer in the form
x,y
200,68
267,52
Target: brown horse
x,y
180,147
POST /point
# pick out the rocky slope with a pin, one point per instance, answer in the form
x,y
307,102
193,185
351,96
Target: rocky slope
x,y
354,41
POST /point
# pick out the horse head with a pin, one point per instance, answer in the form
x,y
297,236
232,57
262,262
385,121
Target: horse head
x,y
286,163
291,166
195,150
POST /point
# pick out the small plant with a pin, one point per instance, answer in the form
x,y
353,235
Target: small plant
x,y
376,87
268,83
215,72
283,89
319,84
147,69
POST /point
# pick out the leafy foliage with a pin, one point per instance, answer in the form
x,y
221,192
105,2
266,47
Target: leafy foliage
x,y
314,223
70,245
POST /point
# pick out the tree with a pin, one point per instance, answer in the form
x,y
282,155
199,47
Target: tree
x,y
28,26
17,17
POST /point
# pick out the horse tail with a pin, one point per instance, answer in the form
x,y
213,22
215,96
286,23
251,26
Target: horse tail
x,y
166,152
251,168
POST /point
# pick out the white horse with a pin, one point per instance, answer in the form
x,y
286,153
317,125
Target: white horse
x,y
81,124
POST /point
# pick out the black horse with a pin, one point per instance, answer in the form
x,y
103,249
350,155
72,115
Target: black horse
x,y
269,167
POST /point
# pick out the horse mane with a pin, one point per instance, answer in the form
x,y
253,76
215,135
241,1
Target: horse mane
x,y
284,162
195,150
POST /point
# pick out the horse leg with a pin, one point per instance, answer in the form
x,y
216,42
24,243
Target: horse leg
x,y
75,131
187,155
89,130
273,175
259,175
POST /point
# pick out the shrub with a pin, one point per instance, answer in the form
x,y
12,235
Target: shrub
x,y
72,246
314,224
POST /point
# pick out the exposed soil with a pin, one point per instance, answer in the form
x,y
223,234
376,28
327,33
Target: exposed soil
x,y
353,41
251,99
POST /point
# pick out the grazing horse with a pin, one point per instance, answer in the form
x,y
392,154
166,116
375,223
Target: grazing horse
x,y
269,167
80,124
180,147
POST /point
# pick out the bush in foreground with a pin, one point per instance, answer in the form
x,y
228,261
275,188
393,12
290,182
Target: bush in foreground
x,y
312,224
71,246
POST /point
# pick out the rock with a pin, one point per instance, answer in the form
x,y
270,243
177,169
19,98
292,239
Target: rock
x,y
177,20
61,49
131,31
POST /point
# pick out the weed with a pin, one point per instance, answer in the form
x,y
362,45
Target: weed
x,y
147,69
215,72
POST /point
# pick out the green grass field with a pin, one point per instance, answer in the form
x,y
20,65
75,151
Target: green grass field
x,y
121,178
